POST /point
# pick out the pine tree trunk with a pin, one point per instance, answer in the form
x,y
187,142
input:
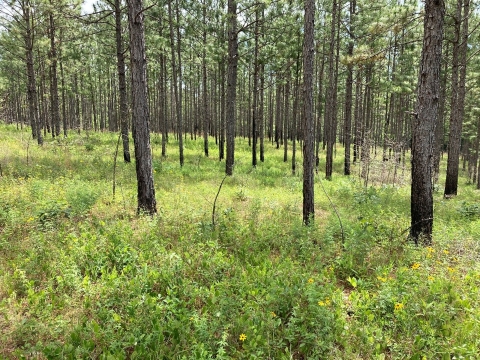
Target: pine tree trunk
x,y
349,94
122,85
260,113
440,129
221,143
458,97
256,70
140,111
294,117
278,116
308,128
54,80
318,127
31,85
424,121
231,84
175,80
206,117
286,118
330,101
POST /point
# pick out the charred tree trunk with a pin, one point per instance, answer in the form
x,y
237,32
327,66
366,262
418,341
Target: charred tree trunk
x,y
423,127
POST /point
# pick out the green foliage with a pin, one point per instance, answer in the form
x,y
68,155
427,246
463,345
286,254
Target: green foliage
x,y
82,276
469,210
81,196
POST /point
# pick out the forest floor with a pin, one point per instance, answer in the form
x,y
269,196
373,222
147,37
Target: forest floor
x,y
83,277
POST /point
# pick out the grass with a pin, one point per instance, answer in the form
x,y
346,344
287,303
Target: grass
x,y
81,276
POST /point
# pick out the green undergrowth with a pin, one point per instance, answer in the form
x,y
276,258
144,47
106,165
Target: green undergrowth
x,y
83,277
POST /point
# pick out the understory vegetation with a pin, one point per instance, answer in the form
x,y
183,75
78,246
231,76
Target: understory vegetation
x,y
82,276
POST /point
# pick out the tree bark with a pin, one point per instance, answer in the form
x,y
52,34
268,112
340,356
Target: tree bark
x,y
206,116
122,85
231,85
458,97
256,70
309,128
260,113
349,94
176,88
330,101
424,121
31,84
140,111
286,118
55,110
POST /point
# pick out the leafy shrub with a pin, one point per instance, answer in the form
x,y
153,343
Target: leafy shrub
x,y
49,215
469,210
81,197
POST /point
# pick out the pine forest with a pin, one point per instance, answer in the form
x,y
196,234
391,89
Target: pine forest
x,y
239,179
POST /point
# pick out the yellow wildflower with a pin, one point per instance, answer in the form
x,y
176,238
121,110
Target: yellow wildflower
x,y
415,266
310,281
325,302
273,314
446,252
430,249
382,279
431,278
243,337
450,269
398,306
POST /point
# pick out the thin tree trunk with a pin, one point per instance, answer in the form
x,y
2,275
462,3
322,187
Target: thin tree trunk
x,y
439,131
286,119
256,70
54,79
458,97
330,105
320,103
206,115
140,111
309,128
349,92
31,85
260,113
221,143
175,81
122,85
231,84
294,116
